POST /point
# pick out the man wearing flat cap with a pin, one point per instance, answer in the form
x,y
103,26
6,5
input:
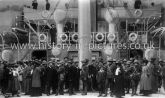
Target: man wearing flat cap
x,y
135,76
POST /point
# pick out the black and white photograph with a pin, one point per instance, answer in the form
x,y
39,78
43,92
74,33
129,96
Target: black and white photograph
x,y
82,48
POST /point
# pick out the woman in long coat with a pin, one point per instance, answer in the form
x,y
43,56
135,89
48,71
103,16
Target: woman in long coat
x,y
119,81
146,79
36,81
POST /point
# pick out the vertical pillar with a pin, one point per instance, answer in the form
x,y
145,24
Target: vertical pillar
x,y
84,21
59,32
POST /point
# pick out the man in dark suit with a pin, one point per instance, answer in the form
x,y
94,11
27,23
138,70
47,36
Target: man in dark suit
x,y
53,34
71,77
137,4
47,5
49,78
35,4
55,79
163,74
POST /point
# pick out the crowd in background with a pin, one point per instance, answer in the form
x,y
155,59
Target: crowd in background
x,y
58,77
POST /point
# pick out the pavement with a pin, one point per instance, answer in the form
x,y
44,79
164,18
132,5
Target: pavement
x,y
90,95
160,94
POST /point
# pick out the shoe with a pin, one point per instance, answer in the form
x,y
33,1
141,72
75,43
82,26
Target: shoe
x,y
127,92
84,94
73,94
18,95
105,95
132,94
56,94
99,95
111,95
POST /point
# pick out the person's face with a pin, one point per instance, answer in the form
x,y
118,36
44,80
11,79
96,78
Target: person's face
x,y
53,26
65,59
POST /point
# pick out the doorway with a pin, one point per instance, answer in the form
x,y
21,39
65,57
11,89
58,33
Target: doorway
x,y
39,54
136,53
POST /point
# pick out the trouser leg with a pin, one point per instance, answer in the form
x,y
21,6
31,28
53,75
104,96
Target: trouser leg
x,y
70,87
85,86
107,86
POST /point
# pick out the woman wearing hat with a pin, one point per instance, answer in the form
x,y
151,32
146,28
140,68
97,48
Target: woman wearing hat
x,y
119,81
36,81
146,79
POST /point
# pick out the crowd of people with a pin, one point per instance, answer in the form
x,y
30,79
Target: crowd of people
x,y
114,78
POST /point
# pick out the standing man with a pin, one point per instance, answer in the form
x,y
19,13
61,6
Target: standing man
x,y
101,78
84,76
47,5
49,78
163,74
53,34
34,4
72,76
137,4
135,77
110,77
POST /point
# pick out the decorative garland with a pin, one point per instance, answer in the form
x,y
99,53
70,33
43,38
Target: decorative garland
x,y
66,37
97,37
111,37
138,12
42,38
133,36
73,37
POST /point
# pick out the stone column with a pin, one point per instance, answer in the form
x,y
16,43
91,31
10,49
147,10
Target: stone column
x,y
59,32
84,23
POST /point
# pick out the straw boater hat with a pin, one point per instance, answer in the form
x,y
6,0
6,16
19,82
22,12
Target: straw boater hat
x,y
125,60
136,61
128,62
114,60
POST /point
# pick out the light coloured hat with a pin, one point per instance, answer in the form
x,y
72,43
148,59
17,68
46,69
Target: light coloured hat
x,y
128,62
114,60
136,61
